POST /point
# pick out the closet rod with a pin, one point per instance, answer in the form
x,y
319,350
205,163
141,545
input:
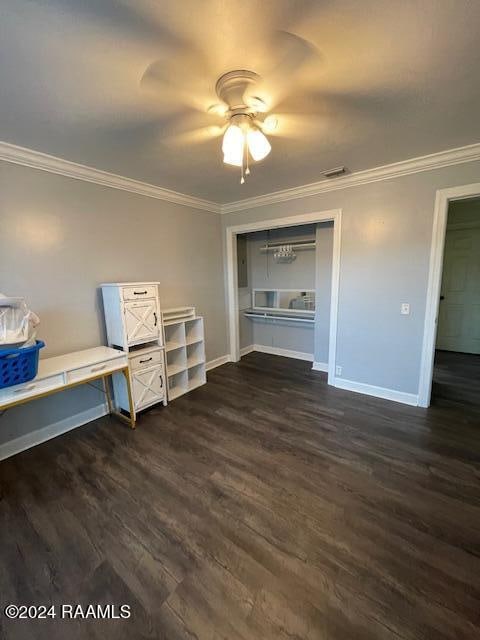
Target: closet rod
x,y
307,244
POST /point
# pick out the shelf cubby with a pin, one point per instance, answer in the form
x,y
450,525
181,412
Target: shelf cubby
x,y
177,384
176,360
195,354
194,331
174,336
196,376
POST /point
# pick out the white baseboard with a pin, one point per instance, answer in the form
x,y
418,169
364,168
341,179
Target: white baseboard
x,y
217,362
320,366
286,353
378,392
33,438
245,350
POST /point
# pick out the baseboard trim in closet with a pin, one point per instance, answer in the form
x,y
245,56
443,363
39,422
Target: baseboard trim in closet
x,y
246,350
286,353
320,366
12,447
217,362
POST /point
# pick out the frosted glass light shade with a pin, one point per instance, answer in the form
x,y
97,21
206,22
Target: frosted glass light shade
x,y
232,146
258,145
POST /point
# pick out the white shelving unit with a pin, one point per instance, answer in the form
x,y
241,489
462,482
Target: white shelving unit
x,y
185,350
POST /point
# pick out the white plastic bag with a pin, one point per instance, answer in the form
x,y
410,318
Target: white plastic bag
x,y
17,323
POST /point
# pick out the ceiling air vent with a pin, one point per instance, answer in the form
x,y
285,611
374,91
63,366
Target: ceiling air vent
x,y
334,173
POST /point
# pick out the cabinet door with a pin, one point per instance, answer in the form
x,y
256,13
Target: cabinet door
x,y
141,321
148,387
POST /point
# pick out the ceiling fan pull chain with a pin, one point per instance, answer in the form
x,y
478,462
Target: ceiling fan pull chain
x,y
247,171
242,179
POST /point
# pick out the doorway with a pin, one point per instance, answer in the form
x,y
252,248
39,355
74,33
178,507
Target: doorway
x,y
232,232
452,316
456,374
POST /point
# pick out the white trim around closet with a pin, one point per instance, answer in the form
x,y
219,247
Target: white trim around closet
x,y
332,215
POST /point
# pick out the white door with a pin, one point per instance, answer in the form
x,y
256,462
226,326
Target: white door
x,y
148,387
141,321
459,315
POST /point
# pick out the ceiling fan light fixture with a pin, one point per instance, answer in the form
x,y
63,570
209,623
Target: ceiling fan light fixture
x,y
233,145
258,144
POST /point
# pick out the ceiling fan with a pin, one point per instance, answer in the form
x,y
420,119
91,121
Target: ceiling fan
x,y
244,100
244,133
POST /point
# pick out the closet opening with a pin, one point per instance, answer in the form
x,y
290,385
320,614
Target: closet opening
x,y
283,288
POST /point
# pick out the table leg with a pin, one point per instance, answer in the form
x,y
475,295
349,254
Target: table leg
x,y
106,388
130,397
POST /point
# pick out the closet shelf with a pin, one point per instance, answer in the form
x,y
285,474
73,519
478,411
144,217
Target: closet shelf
x,y
259,315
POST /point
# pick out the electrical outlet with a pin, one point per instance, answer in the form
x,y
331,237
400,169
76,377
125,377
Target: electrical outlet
x,y
405,309
338,370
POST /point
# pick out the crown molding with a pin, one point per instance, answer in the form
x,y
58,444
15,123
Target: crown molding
x,y
432,161
44,162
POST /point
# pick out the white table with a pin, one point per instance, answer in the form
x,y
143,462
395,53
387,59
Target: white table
x,y
71,370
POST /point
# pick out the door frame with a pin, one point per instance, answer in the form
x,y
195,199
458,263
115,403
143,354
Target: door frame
x,y
440,216
231,232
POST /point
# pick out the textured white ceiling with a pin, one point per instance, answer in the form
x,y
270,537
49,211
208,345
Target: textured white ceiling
x,y
392,80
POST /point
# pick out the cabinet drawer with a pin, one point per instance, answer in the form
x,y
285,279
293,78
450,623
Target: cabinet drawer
x,y
140,292
30,389
144,360
83,373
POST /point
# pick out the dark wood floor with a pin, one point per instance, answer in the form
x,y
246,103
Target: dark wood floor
x,y
264,505
456,380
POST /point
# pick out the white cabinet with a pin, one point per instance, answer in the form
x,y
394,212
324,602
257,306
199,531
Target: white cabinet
x,y
134,324
132,314
147,380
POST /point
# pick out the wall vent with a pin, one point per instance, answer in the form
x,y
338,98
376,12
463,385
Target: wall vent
x,y
334,173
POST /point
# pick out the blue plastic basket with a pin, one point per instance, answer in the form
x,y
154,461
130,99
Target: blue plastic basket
x,y
19,365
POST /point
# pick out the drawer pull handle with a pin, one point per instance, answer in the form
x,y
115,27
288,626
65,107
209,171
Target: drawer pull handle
x,y
155,316
146,360
140,293
95,369
29,388
161,382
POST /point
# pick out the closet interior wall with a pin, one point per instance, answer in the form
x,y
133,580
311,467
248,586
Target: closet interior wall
x,y
259,270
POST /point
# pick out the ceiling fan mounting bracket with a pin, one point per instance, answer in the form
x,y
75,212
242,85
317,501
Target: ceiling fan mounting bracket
x,y
232,87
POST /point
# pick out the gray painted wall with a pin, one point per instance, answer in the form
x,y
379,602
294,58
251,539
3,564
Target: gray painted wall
x,y
61,237
386,238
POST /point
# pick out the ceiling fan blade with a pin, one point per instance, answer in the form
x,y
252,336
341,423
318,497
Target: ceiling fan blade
x,y
181,75
328,105
195,136
292,54
294,125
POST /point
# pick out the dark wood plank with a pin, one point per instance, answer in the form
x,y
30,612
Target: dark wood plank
x,y
264,505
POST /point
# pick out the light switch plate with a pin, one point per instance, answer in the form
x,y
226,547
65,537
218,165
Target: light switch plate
x,y
405,308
